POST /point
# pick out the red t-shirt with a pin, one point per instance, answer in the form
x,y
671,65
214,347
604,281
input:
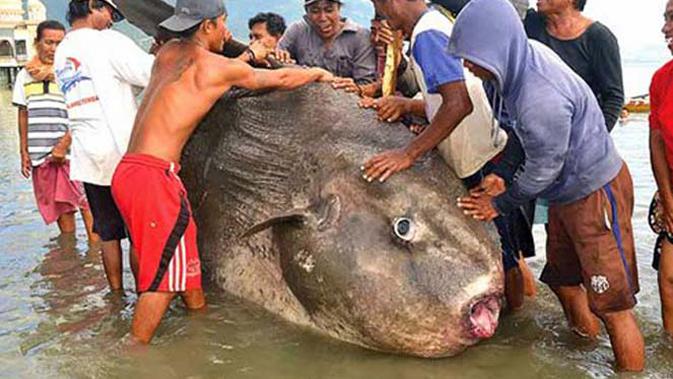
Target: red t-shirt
x,y
661,106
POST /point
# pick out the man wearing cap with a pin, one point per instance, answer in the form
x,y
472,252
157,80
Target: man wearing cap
x,y
146,185
96,69
325,39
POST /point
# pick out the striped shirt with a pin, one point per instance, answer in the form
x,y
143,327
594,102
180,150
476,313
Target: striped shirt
x,y
47,114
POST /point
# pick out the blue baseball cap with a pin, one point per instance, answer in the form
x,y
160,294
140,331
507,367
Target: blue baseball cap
x,y
189,13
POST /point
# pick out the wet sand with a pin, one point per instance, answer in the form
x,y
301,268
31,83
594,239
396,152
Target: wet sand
x,y
56,319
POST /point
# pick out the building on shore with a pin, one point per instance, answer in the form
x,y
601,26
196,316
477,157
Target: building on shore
x,y
18,26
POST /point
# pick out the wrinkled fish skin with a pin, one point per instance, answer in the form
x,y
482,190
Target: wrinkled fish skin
x,y
325,255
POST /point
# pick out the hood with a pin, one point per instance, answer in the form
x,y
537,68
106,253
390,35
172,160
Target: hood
x,y
491,34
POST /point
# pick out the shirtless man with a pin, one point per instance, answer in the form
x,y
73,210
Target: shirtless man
x,y
187,79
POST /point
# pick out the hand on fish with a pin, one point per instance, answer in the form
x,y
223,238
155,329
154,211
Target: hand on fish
x,y
348,85
388,108
492,185
478,207
367,102
383,166
282,56
391,108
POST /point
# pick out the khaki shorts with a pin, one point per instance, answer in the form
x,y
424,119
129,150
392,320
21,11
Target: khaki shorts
x,y
586,246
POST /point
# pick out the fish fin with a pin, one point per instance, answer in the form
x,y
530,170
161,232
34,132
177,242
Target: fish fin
x,y
292,216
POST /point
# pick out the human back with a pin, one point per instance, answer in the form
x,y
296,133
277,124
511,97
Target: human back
x,y
190,75
180,94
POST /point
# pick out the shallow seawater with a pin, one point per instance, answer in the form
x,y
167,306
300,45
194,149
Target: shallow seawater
x,y
56,319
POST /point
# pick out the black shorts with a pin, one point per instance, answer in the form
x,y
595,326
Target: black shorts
x,y
107,221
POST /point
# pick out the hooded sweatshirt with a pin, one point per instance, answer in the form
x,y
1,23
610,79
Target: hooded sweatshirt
x,y
569,153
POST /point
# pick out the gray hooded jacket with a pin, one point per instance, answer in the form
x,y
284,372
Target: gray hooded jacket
x,y
569,153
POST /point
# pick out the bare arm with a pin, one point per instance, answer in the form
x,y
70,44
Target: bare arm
x,y
456,105
60,150
660,166
391,108
416,107
241,75
607,65
23,130
662,174
23,142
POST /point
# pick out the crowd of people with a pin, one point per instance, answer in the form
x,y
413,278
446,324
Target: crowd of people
x,y
535,96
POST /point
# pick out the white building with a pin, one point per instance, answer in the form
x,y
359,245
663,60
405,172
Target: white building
x,y
17,33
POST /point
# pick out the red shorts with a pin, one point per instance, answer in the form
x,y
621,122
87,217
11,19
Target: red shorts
x,y
154,205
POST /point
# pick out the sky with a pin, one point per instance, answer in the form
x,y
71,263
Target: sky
x,y
637,25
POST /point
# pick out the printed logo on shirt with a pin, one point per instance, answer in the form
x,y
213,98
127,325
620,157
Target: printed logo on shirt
x,y
71,75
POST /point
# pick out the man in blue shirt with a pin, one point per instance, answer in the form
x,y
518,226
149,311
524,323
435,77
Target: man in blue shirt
x,y
442,75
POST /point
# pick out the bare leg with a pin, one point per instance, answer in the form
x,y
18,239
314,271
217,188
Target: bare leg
x,y
627,340
576,307
87,217
666,286
514,289
194,299
133,261
150,308
66,223
112,261
529,285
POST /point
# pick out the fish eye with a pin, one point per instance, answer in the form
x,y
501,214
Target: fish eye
x,y
404,229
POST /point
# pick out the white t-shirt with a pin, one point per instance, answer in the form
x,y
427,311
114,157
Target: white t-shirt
x,y
47,114
96,71
477,139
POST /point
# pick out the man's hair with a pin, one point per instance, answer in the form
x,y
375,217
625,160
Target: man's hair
x,y
189,33
275,23
79,9
338,3
48,25
580,4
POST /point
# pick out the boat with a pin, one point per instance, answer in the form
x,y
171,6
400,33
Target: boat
x,y
638,104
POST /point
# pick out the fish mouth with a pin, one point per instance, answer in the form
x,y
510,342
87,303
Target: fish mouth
x,y
482,318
